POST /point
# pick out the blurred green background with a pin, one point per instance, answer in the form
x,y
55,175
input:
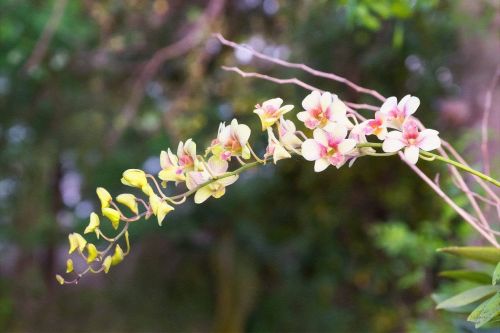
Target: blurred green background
x,y
285,250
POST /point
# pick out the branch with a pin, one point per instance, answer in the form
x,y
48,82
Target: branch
x,y
486,114
466,216
46,36
303,67
192,38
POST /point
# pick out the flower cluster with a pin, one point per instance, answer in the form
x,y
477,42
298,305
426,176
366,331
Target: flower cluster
x,y
336,138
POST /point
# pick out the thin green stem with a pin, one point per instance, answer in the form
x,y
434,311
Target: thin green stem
x,y
431,156
214,179
461,166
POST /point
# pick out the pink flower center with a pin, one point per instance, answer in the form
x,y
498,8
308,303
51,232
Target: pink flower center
x,y
185,160
410,132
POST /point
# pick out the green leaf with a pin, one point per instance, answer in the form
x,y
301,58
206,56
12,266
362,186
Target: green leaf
x,y
486,311
496,274
467,297
473,276
489,255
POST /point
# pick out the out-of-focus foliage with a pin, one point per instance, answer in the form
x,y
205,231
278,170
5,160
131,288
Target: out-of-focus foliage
x,y
286,249
481,301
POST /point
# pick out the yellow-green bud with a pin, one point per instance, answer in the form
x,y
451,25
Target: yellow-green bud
x,y
117,256
60,279
113,215
134,178
107,264
93,224
69,266
129,201
104,196
92,252
160,207
76,241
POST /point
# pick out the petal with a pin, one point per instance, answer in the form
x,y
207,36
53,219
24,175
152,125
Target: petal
x,y
280,153
403,101
224,134
389,104
411,106
311,150
217,166
228,180
321,164
202,194
321,136
312,100
326,101
346,146
275,103
303,116
339,109
429,140
286,108
243,134
411,154
190,148
337,131
393,142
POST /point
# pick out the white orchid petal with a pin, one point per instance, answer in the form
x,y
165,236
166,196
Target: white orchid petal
x,y
403,101
326,101
411,154
243,134
429,140
311,150
312,100
346,146
321,164
389,104
321,136
393,142
338,131
411,105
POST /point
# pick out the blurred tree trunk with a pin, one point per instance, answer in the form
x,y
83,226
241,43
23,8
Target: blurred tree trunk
x,y
236,286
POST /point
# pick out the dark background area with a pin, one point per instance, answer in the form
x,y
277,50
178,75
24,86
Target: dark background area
x,y
91,88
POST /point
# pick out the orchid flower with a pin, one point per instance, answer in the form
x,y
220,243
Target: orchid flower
x,y
411,140
321,109
329,147
173,166
377,126
270,111
396,112
358,134
231,141
287,136
275,148
216,167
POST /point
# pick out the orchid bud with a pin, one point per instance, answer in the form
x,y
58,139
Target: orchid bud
x,y
104,197
60,279
134,178
117,256
160,207
76,241
92,252
107,264
69,266
93,224
113,215
128,200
